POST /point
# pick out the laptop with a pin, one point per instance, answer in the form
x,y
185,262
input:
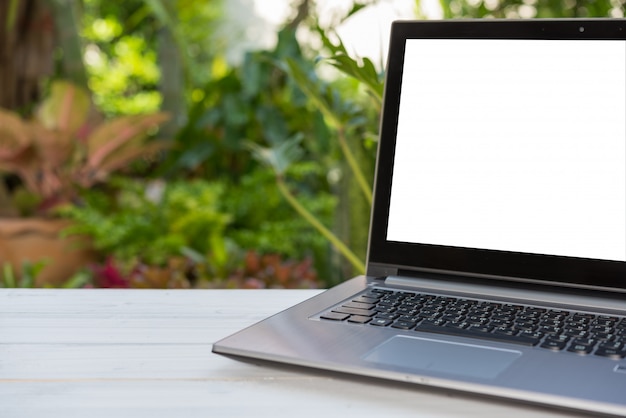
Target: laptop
x,y
497,247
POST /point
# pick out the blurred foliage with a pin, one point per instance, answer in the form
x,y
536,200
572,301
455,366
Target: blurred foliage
x,y
263,221
147,228
516,9
255,271
260,104
121,43
271,271
151,221
279,158
253,102
29,271
274,160
350,107
61,150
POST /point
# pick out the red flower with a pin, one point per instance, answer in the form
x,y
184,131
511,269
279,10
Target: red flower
x,y
109,276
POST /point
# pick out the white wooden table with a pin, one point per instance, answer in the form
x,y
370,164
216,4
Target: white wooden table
x,y
147,353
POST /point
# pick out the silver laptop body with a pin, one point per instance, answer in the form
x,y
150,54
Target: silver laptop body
x,y
500,187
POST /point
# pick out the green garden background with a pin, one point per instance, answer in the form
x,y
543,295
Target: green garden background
x,y
129,135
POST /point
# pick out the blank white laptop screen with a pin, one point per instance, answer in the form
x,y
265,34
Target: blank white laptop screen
x,y
512,145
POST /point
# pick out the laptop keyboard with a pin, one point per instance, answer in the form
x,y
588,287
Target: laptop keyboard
x,y
551,329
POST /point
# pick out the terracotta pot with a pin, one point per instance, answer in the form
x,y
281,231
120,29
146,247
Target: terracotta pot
x,y
35,239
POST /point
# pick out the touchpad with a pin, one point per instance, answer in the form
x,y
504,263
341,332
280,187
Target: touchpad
x,y
443,356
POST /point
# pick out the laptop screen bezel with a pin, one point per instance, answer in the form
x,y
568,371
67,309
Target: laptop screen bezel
x,y
468,261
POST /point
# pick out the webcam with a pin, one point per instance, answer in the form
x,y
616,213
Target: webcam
x,y
581,29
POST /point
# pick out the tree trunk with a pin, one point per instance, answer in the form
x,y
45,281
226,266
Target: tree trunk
x,y
172,84
67,19
26,51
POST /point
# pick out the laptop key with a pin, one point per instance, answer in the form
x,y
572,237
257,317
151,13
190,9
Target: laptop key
x,y
334,316
386,315
580,348
403,324
576,334
358,305
554,345
366,299
533,334
358,319
457,324
354,311
611,353
584,341
480,328
505,331
434,322
380,322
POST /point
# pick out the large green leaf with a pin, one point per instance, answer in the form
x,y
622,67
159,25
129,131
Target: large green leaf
x,y
362,70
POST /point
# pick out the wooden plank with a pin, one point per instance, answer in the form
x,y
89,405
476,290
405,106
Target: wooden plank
x,y
158,302
135,316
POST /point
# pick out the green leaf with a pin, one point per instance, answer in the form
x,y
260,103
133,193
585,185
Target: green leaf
x,y
78,280
278,157
66,108
30,272
193,255
8,276
335,48
363,71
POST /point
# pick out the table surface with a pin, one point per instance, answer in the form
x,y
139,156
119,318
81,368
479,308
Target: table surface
x,y
147,353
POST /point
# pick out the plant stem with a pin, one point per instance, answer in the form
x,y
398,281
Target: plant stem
x,y
354,165
309,217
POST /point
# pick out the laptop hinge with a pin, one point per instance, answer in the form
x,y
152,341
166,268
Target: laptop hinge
x,y
381,270
408,278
